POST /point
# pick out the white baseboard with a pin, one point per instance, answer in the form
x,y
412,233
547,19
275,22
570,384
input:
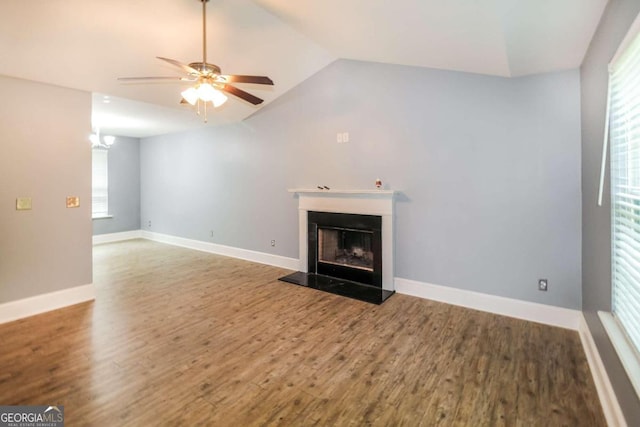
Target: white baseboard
x,y
31,306
230,251
540,313
608,400
116,237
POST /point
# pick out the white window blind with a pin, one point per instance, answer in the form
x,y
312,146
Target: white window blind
x,y
624,138
100,183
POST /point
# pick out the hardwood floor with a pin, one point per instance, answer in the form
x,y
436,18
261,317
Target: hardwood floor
x,y
179,337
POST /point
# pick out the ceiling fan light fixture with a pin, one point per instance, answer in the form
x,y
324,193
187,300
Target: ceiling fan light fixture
x,y
190,95
204,92
209,93
109,140
104,142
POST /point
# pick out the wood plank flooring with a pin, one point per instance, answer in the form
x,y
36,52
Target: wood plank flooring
x,y
179,337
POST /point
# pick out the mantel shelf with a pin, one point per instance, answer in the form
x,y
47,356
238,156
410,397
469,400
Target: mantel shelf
x,y
332,191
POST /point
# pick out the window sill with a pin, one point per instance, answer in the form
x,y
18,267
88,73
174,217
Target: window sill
x,y
101,216
626,352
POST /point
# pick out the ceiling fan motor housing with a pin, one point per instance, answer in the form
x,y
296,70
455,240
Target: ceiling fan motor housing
x,y
205,68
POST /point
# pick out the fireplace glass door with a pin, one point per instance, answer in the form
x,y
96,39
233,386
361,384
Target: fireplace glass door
x,y
342,246
345,246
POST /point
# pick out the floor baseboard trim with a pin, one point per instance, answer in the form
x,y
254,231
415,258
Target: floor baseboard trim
x,y
99,239
610,406
230,251
519,309
15,310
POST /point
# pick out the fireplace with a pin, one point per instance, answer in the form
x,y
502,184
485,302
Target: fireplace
x,y
346,243
346,246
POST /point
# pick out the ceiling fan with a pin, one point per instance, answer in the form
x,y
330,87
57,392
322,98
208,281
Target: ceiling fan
x,y
209,84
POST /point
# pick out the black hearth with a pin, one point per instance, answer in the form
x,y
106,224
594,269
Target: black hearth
x,y
344,256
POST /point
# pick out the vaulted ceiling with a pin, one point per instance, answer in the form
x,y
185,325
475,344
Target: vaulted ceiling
x,y
87,44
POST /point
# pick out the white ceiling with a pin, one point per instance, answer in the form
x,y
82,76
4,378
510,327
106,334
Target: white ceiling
x,y
87,44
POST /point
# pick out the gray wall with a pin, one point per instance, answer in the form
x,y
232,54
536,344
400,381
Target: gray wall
x,y
596,246
124,188
46,156
489,170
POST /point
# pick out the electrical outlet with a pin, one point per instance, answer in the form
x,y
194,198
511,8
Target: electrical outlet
x,y
543,285
273,243
149,223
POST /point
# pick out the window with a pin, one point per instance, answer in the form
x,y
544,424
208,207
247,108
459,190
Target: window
x,y
100,183
623,326
624,136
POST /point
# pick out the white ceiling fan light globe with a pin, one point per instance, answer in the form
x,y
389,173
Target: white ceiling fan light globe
x,y
190,95
219,98
109,140
206,92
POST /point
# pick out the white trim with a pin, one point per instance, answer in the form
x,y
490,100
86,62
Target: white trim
x,y
356,201
102,216
230,251
628,38
362,192
38,304
624,348
608,400
540,313
117,237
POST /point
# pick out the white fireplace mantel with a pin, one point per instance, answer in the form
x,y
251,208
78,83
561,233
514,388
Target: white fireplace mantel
x,y
362,202
317,190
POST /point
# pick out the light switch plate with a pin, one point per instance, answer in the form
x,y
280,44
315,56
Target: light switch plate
x,y
73,201
23,204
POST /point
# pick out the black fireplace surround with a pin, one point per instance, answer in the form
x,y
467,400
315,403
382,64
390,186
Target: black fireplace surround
x,y
344,256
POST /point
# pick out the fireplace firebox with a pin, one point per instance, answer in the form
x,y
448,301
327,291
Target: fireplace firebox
x,y
346,246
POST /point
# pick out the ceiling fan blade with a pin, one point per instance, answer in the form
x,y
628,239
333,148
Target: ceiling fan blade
x,y
260,80
242,94
135,79
179,64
